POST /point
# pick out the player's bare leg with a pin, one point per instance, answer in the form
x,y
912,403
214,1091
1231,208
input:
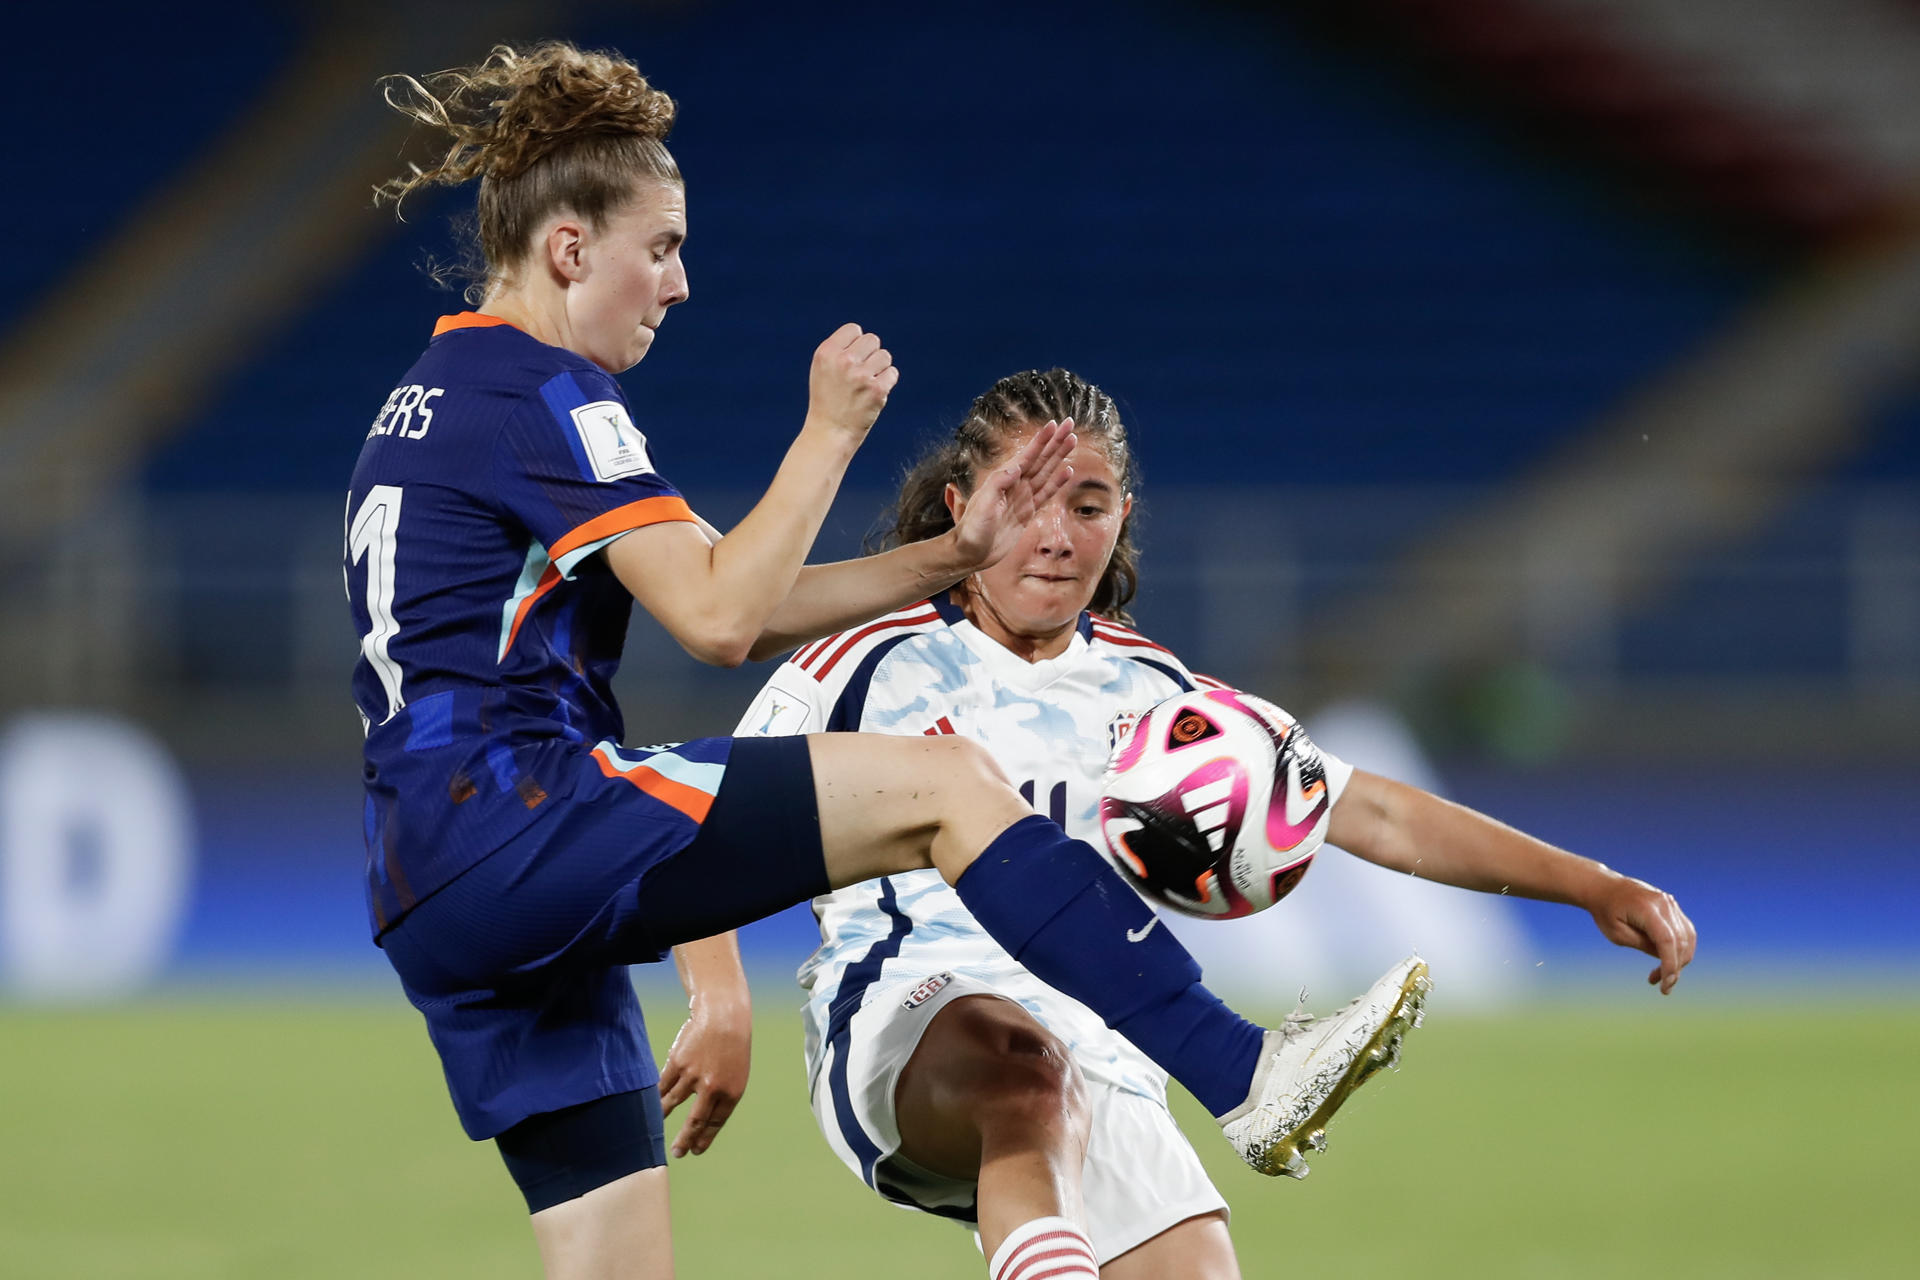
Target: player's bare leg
x,y
991,1095
619,1231
1197,1249
891,804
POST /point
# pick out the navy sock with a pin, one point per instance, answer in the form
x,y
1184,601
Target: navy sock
x,y
1060,910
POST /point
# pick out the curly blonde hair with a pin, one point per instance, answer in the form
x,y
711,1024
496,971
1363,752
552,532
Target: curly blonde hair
x,y
547,129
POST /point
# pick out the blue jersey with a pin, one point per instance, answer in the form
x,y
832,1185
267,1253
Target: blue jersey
x,y
489,630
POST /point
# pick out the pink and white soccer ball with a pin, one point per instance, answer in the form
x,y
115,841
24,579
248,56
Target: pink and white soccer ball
x,y
1215,804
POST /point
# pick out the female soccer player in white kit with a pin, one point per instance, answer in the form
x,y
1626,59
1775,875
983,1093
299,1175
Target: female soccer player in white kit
x,y
931,1051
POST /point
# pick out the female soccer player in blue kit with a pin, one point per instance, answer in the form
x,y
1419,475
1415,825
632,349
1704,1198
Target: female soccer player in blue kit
x,y
504,514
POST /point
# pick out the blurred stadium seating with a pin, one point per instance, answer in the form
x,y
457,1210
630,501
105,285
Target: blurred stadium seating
x,y
1543,369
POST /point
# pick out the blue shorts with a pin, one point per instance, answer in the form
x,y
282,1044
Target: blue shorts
x,y
520,964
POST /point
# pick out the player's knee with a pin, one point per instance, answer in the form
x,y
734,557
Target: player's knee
x,y
971,783
1033,1087
975,804
971,771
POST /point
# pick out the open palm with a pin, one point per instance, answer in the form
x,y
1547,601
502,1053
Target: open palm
x,y
1008,496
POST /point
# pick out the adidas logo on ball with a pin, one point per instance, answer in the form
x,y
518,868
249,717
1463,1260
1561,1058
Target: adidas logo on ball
x,y
1215,803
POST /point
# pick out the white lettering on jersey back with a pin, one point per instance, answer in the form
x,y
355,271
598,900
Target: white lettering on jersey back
x,y
615,449
397,414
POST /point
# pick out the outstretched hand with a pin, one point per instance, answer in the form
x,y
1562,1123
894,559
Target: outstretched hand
x,y
708,1063
1007,497
1632,913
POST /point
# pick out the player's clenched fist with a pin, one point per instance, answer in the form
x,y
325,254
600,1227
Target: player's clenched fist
x,y
852,374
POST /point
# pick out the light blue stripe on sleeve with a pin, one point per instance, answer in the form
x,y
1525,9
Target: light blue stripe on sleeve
x,y
567,563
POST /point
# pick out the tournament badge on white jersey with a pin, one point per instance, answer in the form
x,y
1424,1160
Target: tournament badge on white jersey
x,y
615,448
775,714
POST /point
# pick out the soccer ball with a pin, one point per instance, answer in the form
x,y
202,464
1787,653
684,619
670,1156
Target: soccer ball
x,y
1215,804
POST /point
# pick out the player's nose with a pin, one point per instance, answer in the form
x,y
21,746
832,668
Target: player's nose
x,y
1050,532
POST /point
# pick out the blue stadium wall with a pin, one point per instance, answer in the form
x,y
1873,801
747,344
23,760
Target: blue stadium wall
x,y
1787,875
1272,253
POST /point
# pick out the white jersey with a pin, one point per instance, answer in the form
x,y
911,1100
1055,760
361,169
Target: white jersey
x,y
1050,725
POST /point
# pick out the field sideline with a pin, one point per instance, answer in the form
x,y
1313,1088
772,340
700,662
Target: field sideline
x,y
310,1140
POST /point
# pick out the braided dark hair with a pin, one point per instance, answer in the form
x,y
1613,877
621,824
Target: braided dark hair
x,y
1022,401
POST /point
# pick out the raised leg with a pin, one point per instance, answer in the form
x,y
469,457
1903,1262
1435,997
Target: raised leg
x,y
894,804
890,804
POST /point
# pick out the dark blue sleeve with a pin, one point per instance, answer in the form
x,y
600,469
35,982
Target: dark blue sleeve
x,y
572,467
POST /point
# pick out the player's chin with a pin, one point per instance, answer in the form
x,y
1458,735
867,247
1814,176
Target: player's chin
x,y
619,359
1053,602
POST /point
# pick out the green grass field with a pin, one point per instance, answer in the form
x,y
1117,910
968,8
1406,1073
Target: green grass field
x,y
306,1138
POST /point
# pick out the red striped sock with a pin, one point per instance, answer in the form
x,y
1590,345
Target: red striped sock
x,y
1045,1249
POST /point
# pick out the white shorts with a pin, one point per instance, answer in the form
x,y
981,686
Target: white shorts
x,y
1141,1175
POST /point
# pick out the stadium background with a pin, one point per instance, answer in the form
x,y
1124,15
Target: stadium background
x,y
1526,392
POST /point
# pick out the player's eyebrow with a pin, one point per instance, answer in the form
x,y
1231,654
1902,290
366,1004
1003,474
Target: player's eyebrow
x,y
671,239
1094,482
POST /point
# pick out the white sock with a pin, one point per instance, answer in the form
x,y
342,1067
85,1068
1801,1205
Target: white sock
x,y
1045,1249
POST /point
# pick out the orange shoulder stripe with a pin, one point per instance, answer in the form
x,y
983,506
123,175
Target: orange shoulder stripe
x,y
635,515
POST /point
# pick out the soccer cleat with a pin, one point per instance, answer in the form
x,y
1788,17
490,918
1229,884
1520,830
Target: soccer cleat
x,y
1309,1066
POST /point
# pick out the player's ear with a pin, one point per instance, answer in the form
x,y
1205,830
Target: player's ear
x,y
566,244
1126,508
956,501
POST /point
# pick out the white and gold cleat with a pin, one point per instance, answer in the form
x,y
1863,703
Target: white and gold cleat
x,y
1309,1066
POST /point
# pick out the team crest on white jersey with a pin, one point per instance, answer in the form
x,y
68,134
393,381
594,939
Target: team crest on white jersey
x,y
615,448
926,990
1120,728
